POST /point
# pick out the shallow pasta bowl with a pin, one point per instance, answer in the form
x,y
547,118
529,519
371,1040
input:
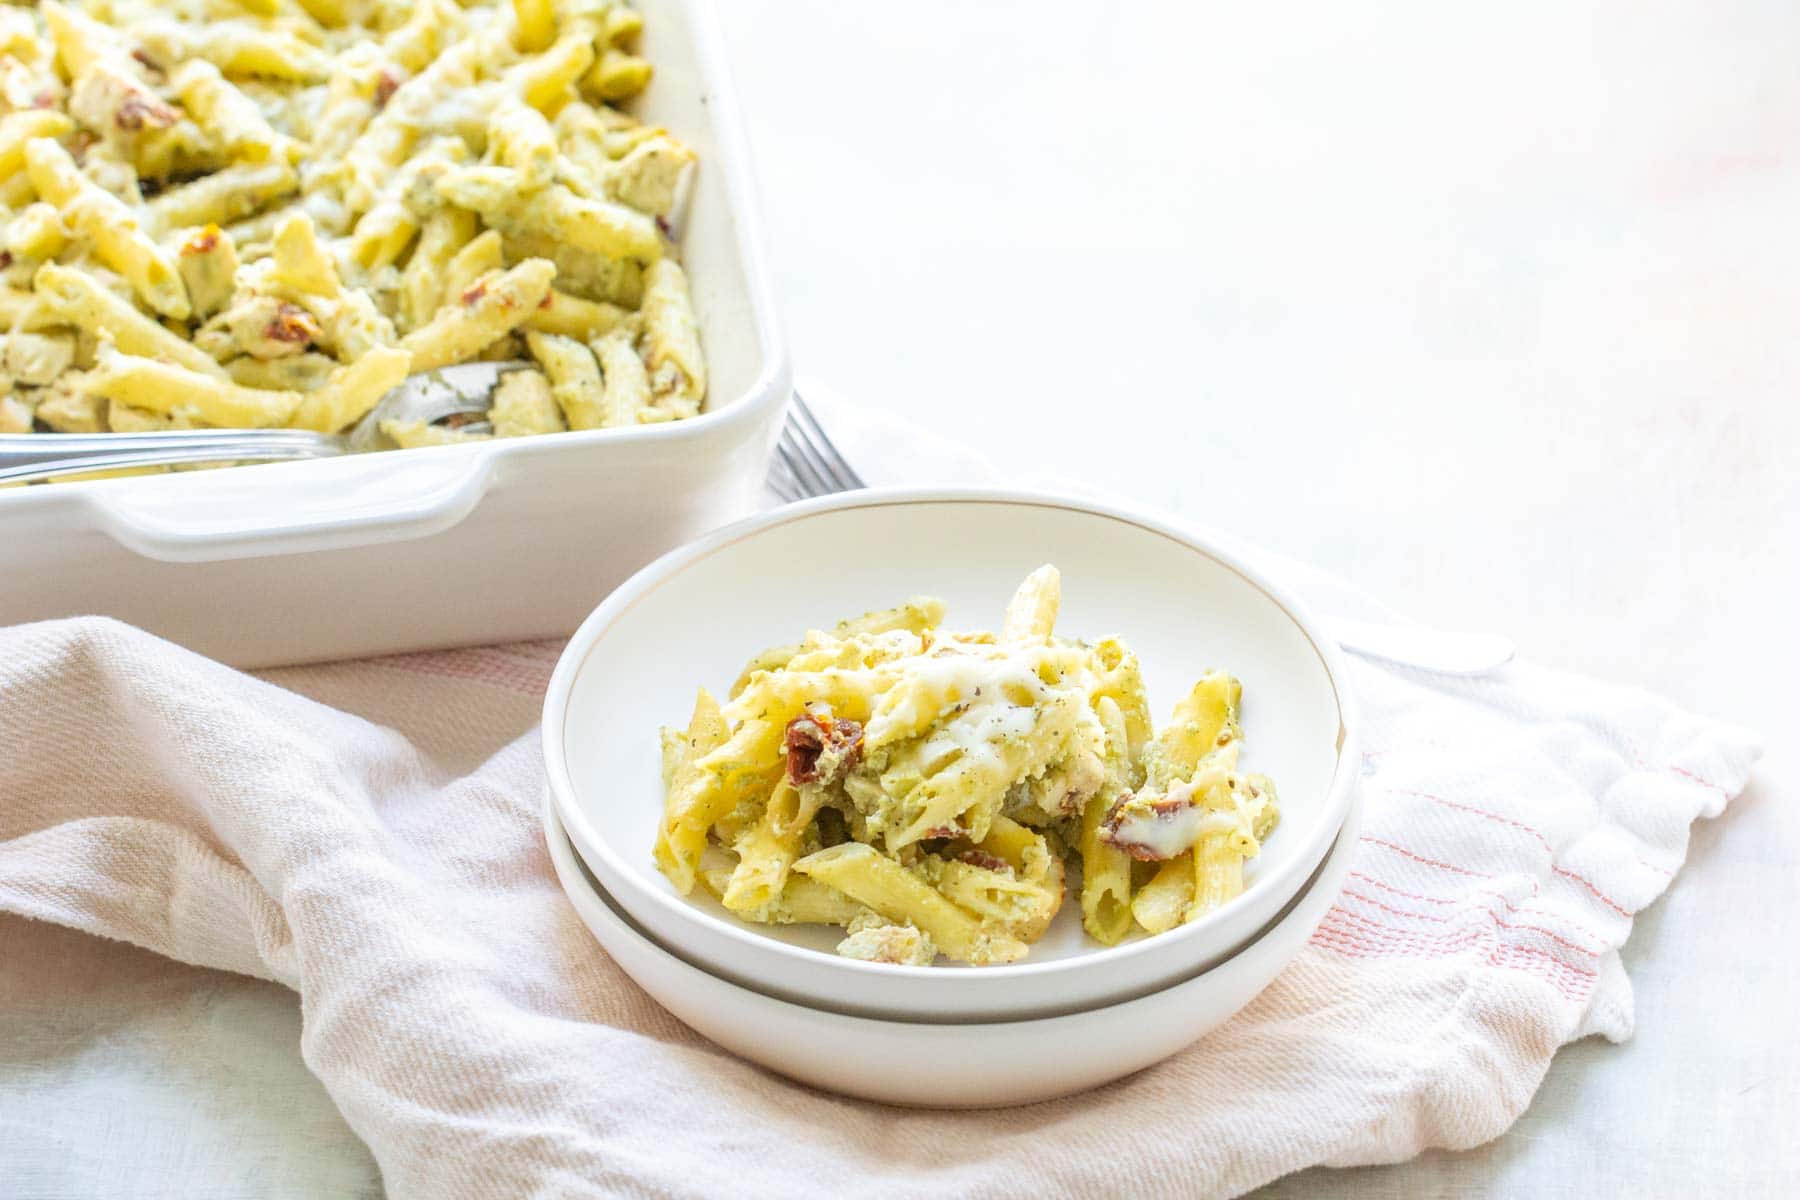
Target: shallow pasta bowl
x,y
930,1065
695,616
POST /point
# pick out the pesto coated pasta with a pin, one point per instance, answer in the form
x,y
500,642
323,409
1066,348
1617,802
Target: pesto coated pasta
x,y
930,790
221,213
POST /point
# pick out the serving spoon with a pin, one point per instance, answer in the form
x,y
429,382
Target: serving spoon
x,y
430,397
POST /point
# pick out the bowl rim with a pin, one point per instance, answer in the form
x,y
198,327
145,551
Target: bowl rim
x,y
1325,874
1328,874
1289,877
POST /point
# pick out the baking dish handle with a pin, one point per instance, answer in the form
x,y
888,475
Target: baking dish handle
x,y
358,500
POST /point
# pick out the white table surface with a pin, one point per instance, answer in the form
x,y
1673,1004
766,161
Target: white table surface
x,y
1493,310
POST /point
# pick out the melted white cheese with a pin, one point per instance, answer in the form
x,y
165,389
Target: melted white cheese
x,y
986,698
1167,833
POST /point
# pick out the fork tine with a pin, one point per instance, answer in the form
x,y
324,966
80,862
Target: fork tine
x,y
781,481
806,462
785,490
811,481
836,465
804,449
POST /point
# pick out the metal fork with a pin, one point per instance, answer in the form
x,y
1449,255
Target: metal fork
x,y
806,463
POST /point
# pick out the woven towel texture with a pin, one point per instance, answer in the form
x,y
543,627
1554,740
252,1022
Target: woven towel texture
x,y
368,834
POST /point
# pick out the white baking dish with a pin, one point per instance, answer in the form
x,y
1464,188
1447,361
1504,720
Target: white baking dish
x,y
454,545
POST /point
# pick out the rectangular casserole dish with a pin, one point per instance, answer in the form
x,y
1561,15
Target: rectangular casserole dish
x,y
454,545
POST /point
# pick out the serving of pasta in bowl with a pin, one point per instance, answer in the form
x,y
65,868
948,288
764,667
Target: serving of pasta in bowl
x,y
979,798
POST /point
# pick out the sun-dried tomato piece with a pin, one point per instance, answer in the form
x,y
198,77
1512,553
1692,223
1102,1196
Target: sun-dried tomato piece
x,y
385,86
984,860
291,323
1153,830
821,747
137,112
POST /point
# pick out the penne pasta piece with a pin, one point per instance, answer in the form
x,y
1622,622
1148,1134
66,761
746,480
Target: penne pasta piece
x,y
573,317
1163,903
329,13
66,408
686,817
671,341
487,311
874,880
178,392
1106,868
1031,614
1204,720
416,435
802,901
306,372
104,219
1218,875
617,76
224,196
35,234
15,415
545,82
80,299
351,391
481,256
574,378
300,265
524,405
506,203
444,233
236,49
536,21
232,119
765,855
208,262
36,359
520,138
623,25
18,128
625,394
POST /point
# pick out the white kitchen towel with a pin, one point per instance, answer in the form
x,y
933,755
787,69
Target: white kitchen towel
x,y
368,834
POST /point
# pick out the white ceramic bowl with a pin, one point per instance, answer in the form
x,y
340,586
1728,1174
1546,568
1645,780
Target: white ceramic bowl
x,y
952,1066
694,616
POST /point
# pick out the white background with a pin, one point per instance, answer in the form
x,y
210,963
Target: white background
x,y
1494,309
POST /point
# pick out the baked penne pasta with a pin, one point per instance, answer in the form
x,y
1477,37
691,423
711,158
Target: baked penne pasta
x,y
937,780
113,228
293,200
174,391
485,312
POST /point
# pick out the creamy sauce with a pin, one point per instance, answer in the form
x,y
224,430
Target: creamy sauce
x,y
1166,833
982,680
982,698
977,732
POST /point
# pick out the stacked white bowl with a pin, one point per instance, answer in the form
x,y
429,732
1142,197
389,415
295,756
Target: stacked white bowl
x,y
1074,1013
